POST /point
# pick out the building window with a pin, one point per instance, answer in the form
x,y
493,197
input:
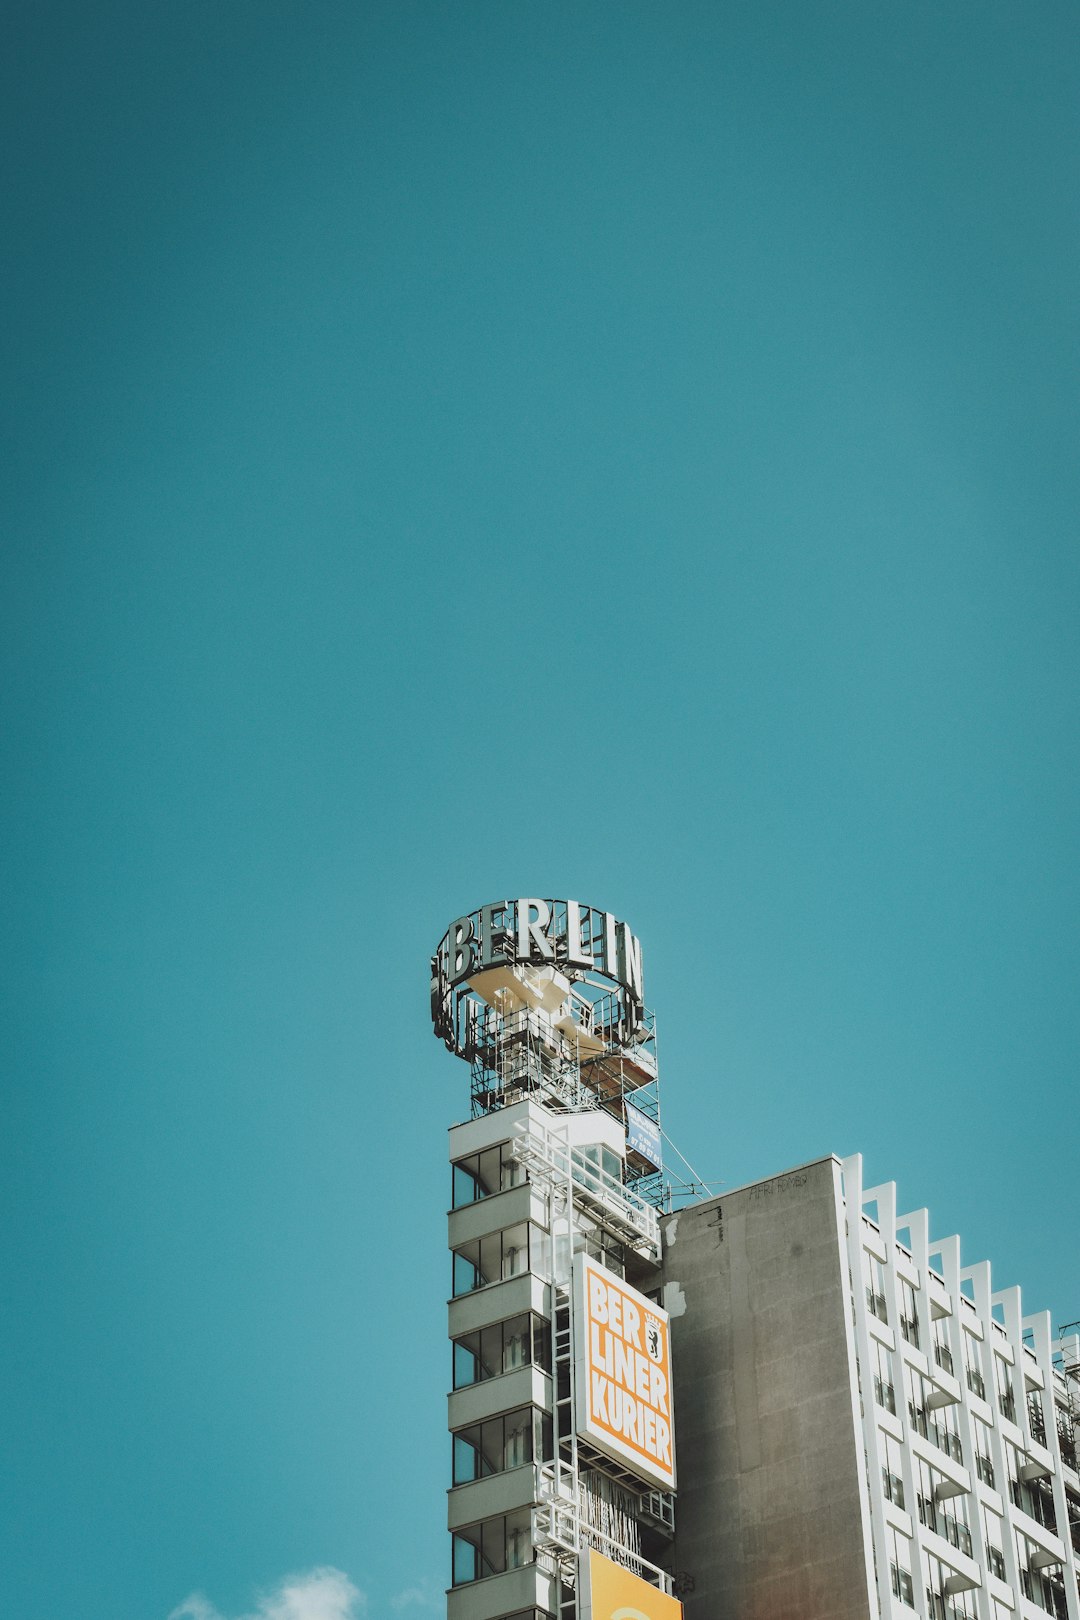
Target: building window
x,y
1003,1380
520,1341
875,1287
972,1372
891,1464
493,1258
596,1166
1042,1586
1072,1508
909,1314
510,1440
984,1465
491,1548
481,1174
884,1389
955,1606
944,1433
1066,1437
900,1567
953,1526
942,1354
609,1251
901,1585
1036,1420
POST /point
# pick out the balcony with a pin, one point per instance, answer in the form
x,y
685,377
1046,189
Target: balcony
x,y
946,1441
1046,1592
955,1532
628,1218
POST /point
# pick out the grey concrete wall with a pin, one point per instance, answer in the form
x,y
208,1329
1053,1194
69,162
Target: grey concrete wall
x,y
770,1516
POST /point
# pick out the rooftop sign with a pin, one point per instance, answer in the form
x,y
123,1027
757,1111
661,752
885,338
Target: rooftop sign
x,y
575,938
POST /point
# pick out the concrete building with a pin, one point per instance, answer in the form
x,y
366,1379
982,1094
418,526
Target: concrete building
x,y
867,1427
562,1495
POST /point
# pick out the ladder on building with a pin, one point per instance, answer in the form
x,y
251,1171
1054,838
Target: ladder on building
x,y
567,1517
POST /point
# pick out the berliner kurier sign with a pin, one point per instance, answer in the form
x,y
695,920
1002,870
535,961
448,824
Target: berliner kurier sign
x,y
623,1353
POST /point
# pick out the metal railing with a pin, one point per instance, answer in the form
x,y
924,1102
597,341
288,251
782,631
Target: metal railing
x,y
629,1218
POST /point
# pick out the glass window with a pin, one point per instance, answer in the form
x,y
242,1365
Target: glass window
x,y
600,1245
875,1286
1003,1382
479,1175
492,1447
994,1532
595,1157
892,1470
1036,1419
900,1567
972,1366
984,1462
495,1257
909,1312
884,1389
942,1353
491,1547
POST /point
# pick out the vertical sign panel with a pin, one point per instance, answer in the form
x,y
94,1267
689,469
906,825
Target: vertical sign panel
x,y
612,1593
643,1136
623,1355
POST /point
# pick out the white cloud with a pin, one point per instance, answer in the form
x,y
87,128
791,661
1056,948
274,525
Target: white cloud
x,y
195,1607
320,1594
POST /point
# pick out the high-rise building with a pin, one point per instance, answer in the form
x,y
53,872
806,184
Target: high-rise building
x,y
562,1495
868,1428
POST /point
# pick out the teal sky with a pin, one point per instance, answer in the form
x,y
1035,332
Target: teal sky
x,y
621,451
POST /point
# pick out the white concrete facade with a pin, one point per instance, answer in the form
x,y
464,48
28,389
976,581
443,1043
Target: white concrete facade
x,y
533,1187
969,1420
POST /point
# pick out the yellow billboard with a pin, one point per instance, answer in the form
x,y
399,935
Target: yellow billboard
x,y
612,1593
623,1358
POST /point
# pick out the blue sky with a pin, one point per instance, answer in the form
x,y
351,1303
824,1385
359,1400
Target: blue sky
x,y
465,450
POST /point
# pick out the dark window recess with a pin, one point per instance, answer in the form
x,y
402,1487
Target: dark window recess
x,y
884,1394
900,1580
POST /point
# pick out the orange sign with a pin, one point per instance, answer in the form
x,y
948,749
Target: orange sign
x,y
623,1373
612,1593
